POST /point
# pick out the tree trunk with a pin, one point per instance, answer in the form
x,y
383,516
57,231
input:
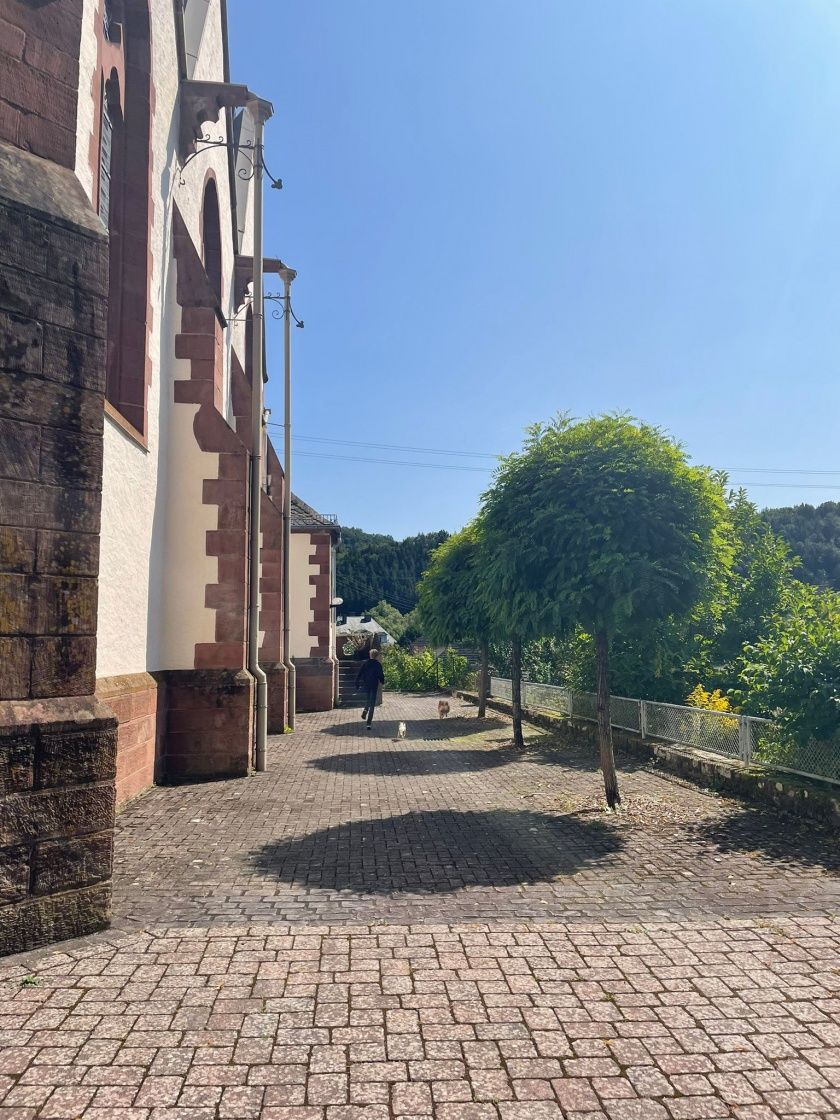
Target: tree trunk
x,y
602,667
483,682
516,691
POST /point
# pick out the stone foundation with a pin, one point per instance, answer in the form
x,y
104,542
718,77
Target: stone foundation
x,y
138,702
57,742
209,718
276,678
315,684
57,766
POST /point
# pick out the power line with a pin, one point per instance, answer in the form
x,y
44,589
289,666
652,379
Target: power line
x,y
489,455
392,462
390,446
792,484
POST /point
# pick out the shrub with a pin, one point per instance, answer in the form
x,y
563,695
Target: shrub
x,y
424,672
793,674
713,701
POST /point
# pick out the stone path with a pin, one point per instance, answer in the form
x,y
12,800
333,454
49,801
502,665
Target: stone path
x,y
439,927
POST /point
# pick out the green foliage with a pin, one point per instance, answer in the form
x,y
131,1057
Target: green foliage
x,y
396,623
371,568
567,660
673,654
600,523
423,672
753,589
792,674
450,605
813,534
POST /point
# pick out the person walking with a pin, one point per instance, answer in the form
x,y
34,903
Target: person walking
x,y
369,678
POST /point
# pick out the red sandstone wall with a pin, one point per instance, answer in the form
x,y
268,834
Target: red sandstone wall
x,y
39,77
137,700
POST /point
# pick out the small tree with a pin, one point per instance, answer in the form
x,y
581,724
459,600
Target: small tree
x,y
602,524
450,606
390,619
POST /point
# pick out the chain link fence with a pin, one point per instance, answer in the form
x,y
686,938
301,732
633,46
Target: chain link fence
x,y
747,738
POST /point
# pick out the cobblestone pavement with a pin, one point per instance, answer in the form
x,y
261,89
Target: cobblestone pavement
x,y
439,927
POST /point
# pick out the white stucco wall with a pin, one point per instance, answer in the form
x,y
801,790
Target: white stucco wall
x,y
87,105
301,567
186,569
153,566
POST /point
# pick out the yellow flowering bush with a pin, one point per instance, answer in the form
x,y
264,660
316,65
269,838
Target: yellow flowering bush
x,y
715,701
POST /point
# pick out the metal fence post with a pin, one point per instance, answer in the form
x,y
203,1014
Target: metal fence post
x,y
744,739
643,719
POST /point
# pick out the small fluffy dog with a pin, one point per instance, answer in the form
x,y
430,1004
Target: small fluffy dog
x,y
443,708
401,731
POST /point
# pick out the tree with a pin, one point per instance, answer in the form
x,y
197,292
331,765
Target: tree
x,y
450,605
813,534
391,619
792,674
601,524
371,567
754,588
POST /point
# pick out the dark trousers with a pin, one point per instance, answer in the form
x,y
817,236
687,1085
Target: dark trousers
x,y
370,704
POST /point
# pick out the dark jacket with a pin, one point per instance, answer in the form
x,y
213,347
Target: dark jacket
x,y
370,676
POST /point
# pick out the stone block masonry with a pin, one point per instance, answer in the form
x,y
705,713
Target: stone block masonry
x,y
39,70
57,742
57,765
138,702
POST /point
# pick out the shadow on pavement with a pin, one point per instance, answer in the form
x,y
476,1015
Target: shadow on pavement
x,y
780,837
452,728
439,851
401,762
548,750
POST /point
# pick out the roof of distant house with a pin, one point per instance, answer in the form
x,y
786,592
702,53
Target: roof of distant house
x,y
353,624
306,519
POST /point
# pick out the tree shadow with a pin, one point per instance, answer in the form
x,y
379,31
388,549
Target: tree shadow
x,y
549,750
392,762
439,851
436,729
787,840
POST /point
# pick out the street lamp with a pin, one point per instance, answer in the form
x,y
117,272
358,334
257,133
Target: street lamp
x,y
287,275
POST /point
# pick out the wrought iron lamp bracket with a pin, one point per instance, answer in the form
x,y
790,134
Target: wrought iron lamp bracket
x,y
255,158
280,312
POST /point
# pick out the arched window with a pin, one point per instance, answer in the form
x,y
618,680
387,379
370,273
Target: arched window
x,y
112,213
211,238
124,203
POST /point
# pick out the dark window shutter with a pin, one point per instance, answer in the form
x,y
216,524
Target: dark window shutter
x,y
105,166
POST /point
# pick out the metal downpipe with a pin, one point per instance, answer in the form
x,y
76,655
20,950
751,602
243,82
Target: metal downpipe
x,y
261,111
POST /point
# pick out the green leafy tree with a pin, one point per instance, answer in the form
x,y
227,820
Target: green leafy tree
x,y
813,534
601,524
792,674
451,607
675,654
390,618
371,567
754,588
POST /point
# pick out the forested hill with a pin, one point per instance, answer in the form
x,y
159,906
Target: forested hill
x,y
813,533
372,567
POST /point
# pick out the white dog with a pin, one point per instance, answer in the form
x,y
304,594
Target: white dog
x,y
401,731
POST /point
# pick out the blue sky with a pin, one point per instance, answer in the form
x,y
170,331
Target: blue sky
x,y
500,211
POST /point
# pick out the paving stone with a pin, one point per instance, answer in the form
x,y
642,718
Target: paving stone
x,y
414,929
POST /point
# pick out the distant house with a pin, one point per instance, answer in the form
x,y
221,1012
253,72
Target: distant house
x,y
359,625
315,537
